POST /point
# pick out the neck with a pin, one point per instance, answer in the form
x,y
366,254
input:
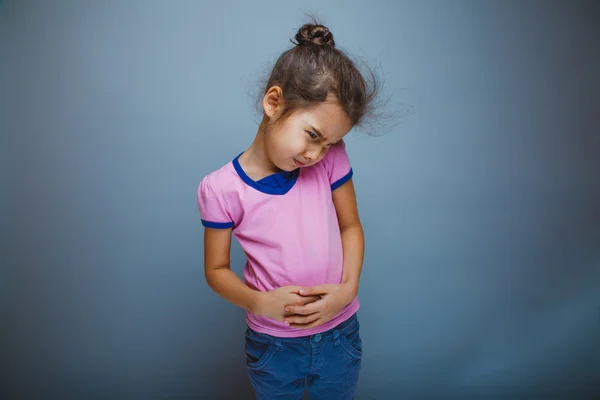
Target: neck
x,y
254,160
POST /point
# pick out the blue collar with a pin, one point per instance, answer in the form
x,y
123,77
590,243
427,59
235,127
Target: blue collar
x,y
278,183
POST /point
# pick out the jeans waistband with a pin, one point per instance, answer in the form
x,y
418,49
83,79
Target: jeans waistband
x,y
332,334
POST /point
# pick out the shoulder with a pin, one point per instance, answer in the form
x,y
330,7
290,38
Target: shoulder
x,y
336,157
216,195
336,150
219,182
336,164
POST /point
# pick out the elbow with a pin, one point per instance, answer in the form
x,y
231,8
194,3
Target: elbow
x,y
212,272
355,228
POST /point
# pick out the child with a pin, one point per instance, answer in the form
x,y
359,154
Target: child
x,y
289,200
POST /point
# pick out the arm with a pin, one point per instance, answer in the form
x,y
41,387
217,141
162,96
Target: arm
x,y
217,271
344,199
220,277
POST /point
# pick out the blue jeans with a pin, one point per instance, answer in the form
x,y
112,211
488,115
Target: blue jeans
x,y
328,362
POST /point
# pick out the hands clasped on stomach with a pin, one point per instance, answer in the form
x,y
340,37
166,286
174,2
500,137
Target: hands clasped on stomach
x,y
304,307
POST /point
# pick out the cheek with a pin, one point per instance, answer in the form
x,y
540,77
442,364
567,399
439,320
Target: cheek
x,y
288,141
322,155
294,146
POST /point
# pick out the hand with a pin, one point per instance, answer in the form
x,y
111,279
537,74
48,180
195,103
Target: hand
x,y
272,304
333,297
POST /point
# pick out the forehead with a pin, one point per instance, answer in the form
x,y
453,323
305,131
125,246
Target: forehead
x,y
328,118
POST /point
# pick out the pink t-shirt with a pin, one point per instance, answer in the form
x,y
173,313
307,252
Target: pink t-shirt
x,y
287,226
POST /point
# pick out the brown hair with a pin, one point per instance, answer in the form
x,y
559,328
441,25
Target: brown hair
x,y
313,68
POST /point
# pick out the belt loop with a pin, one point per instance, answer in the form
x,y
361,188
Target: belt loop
x,y
278,344
336,337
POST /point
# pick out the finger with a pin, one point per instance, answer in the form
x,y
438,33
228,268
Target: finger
x,y
298,300
302,319
287,314
304,310
307,300
314,290
313,324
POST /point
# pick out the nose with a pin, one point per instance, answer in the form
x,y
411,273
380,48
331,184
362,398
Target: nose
x,y
311,154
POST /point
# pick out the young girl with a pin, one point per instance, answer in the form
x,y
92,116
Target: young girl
x,y
290,202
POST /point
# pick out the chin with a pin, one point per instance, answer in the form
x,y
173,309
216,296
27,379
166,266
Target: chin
x,y
287,166
283,167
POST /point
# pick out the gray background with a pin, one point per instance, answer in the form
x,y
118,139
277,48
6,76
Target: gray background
x,y
481,206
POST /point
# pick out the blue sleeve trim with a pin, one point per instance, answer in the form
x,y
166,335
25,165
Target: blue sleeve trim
x,y
217,225
342,180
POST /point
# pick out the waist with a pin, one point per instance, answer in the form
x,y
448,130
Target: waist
x,y
265,275
274,328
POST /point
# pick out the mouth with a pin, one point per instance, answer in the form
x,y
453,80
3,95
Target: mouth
x,y
298,163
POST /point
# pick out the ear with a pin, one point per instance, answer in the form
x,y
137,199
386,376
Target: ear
x,y
273,101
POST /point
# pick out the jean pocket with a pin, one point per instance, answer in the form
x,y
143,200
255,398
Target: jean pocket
x,y
352,342
259,349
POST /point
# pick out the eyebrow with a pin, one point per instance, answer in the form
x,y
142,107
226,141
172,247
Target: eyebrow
x,y
321,135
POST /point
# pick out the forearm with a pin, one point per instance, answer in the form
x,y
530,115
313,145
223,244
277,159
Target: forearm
x,y
229,286
353,245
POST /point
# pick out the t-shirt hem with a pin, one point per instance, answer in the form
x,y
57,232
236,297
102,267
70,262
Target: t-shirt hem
x,y
342,180
217,225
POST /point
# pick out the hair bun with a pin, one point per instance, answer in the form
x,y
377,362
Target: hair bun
x,y
311,34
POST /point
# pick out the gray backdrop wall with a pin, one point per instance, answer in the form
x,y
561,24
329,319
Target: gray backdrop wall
x,y
481,207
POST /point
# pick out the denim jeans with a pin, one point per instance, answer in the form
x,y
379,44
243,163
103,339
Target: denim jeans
x,y
328,363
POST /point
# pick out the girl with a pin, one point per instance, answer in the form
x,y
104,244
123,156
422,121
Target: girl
x,y
289,200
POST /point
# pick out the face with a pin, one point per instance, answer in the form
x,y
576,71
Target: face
x,y
304,137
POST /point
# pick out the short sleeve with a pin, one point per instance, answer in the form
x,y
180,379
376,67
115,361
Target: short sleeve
x,y
212,207
337,165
